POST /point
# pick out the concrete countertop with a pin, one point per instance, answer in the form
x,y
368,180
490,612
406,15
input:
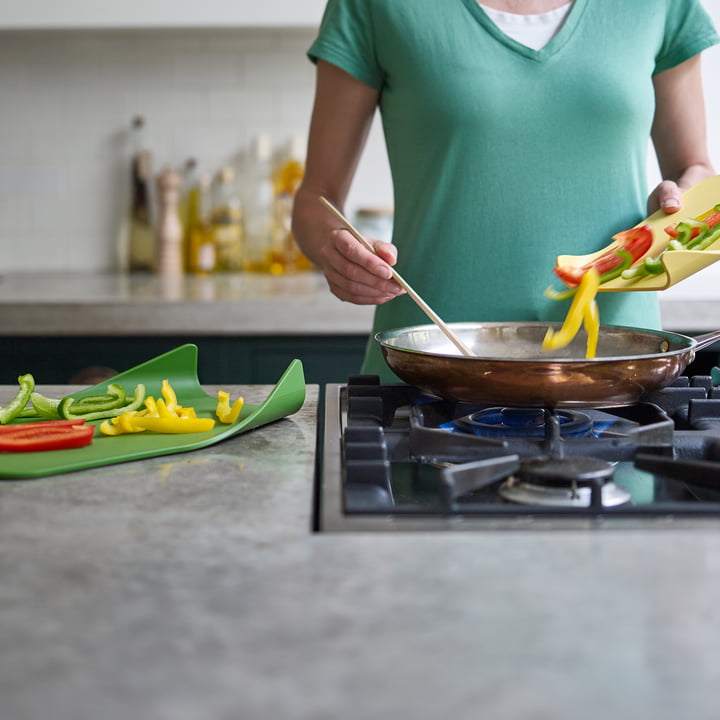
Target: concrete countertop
x,y
41,304
191,586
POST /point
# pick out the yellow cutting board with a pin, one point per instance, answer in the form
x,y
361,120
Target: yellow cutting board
x,y
679,264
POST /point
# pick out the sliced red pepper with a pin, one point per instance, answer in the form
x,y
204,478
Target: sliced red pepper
x,y
636,242
59,437
42,425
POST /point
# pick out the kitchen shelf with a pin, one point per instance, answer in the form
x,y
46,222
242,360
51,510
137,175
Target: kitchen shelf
x,y
158,14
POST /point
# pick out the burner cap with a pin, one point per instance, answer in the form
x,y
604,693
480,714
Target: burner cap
x,y
523,422
563,482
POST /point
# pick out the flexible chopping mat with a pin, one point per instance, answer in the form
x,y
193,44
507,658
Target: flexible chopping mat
x,y
679,264
179,367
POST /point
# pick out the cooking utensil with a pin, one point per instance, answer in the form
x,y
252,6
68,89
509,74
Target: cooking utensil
x,y
679,264
401,281
509,367
179,366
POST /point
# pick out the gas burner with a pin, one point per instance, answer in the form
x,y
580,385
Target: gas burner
x,y
495,422
563,482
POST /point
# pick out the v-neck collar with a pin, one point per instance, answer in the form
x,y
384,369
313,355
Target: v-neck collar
x,y
556,43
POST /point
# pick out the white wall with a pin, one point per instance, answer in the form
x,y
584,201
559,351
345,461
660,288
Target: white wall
x,y
67,97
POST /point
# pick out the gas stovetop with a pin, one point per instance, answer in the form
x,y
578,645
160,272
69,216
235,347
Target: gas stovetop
x,y
393,458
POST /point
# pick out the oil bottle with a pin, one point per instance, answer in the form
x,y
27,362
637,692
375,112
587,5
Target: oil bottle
x,y
201,255
141,241
226,221
286,256
188,207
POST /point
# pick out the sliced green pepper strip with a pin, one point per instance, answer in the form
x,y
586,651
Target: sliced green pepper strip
x,y
709,238
697,239
654,266
18,403
92,404
66,407
115,394
44,406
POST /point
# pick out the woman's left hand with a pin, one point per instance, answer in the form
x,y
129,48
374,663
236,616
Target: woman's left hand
x,y
667,195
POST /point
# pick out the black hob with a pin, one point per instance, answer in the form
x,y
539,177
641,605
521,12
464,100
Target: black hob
x,y
392,458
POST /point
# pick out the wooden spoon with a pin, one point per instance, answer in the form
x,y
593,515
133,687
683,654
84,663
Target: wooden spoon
x,y
454,339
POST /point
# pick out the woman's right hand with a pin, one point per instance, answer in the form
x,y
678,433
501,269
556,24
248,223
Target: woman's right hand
x,y
356,275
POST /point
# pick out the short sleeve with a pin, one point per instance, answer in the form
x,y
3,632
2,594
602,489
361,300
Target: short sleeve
x,y
688,31
346,39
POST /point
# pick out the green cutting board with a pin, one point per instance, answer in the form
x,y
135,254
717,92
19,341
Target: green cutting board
x,y
179,367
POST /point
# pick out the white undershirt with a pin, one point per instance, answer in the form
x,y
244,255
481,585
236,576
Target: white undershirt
x,y
535,31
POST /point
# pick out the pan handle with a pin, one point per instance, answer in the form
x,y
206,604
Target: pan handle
x,y
703,341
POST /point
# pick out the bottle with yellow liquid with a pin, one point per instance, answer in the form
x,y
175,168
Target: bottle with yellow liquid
x,y
226,222
286,256
201,255
187,206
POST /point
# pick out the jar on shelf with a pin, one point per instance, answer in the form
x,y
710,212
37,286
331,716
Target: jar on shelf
x,y
375,223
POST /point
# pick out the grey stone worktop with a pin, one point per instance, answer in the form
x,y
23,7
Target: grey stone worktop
x,y
51,303
37,304
191,586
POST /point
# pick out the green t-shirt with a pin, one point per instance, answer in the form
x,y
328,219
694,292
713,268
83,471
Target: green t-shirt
x,y
503,157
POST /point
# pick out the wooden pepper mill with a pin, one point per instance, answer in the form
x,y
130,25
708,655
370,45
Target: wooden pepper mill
x,y
169,229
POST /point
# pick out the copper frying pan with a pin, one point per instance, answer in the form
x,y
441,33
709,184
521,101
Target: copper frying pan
x,y
509,368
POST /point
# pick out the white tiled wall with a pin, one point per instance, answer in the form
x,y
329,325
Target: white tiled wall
x,y
66,102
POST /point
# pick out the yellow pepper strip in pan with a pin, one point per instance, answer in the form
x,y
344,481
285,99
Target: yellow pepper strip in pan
x,y
591,323
224,412
584,296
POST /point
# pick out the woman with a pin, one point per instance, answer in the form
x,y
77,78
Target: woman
x,y
504,151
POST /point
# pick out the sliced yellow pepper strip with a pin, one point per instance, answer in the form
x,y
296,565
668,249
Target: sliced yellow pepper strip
x,y
110,428
591,323
126,423
163,411
224,412
163,415
150,406
585,295
169,394
173,424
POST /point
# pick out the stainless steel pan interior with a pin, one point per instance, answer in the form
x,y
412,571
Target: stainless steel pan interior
x,y
510,368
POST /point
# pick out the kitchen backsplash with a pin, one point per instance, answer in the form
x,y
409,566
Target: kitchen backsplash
x,y
67,102
68,98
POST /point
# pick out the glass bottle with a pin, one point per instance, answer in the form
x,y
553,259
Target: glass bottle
x,y
141,241
188,208
201,256
226,221
258,206
286,256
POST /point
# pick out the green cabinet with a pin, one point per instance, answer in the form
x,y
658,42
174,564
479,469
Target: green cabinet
x,y
222,359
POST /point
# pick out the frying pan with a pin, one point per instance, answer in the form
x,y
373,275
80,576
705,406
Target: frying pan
x,y
510,368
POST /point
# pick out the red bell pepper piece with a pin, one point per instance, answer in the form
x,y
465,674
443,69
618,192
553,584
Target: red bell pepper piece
x,y
44,424
636,242
51,435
